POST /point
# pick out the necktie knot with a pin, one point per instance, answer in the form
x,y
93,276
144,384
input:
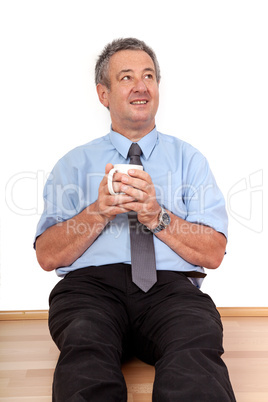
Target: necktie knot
x,y
134,153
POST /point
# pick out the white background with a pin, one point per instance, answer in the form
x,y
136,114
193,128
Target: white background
x,y
214,64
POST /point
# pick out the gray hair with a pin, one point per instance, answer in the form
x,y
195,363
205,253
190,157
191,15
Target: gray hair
x,y
102,64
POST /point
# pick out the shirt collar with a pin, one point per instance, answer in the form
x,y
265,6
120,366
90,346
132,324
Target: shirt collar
x,y
122,144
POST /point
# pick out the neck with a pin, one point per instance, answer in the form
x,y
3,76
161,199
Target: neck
x,y
133,135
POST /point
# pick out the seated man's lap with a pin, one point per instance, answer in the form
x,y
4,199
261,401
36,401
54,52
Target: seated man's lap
x,y
173,314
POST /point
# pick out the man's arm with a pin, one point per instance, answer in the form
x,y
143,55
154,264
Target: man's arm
x,y
60,245
197,244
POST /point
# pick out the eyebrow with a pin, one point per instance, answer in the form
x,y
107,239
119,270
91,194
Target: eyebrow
x,y
129,70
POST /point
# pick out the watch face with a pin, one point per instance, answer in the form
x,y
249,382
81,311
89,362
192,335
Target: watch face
x,y
164,221
166,218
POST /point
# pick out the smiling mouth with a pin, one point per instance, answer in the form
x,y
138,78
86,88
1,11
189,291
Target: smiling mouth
x,y
143,102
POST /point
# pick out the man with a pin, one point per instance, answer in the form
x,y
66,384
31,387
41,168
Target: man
x,y
99,313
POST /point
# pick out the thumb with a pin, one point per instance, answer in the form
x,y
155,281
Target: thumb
x,y
108,167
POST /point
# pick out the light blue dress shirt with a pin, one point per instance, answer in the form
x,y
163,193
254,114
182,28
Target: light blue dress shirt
x,y
183,182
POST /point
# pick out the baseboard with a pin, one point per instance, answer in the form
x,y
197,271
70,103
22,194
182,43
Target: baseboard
x,y
243,311
224,312
23,315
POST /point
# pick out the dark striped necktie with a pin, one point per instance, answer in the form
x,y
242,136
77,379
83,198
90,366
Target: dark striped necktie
x,y
143,265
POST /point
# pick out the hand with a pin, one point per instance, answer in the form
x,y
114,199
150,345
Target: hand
x,y
139,186
107,205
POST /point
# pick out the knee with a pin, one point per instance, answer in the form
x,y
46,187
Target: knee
x,y
200,333
89,333
77,332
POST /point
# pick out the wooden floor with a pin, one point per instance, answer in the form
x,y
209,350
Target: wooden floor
x,y
28,357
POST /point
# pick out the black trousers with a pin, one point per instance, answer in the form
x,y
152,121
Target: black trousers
x,y
98,317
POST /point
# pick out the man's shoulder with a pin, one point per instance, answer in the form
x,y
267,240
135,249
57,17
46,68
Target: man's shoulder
x,y
182,145
83,150
95,143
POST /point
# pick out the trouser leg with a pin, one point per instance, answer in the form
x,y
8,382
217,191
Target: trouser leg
x,y
88,324
182,335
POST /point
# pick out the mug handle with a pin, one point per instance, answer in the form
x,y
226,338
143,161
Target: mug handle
x,y
110,181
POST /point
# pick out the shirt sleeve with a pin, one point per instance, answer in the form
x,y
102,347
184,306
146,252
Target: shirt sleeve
x,y
61,197
204,201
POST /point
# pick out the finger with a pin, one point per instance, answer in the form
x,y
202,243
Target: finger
x,y
118,209
133,206
136,193
118,176
116,182
137,183
116,187
138,207
120,199
140,174
103,182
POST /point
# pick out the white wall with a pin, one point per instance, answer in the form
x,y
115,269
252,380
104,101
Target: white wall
x,y
213,57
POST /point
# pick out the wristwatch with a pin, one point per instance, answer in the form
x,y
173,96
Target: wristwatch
x,y
164,221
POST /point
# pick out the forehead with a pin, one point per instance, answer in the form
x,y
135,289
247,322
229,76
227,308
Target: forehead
x,y
136,60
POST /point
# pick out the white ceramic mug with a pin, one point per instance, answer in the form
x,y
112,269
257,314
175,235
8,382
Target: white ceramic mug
x,y
122,168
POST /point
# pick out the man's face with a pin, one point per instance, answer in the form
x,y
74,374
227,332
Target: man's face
x,y
133,96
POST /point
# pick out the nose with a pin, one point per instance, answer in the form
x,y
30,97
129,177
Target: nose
x,y
140,86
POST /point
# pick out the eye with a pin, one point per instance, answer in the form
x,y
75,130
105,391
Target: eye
x,y
149,76
126,78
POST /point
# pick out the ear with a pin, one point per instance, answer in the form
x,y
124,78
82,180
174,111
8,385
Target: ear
x,y
102,91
